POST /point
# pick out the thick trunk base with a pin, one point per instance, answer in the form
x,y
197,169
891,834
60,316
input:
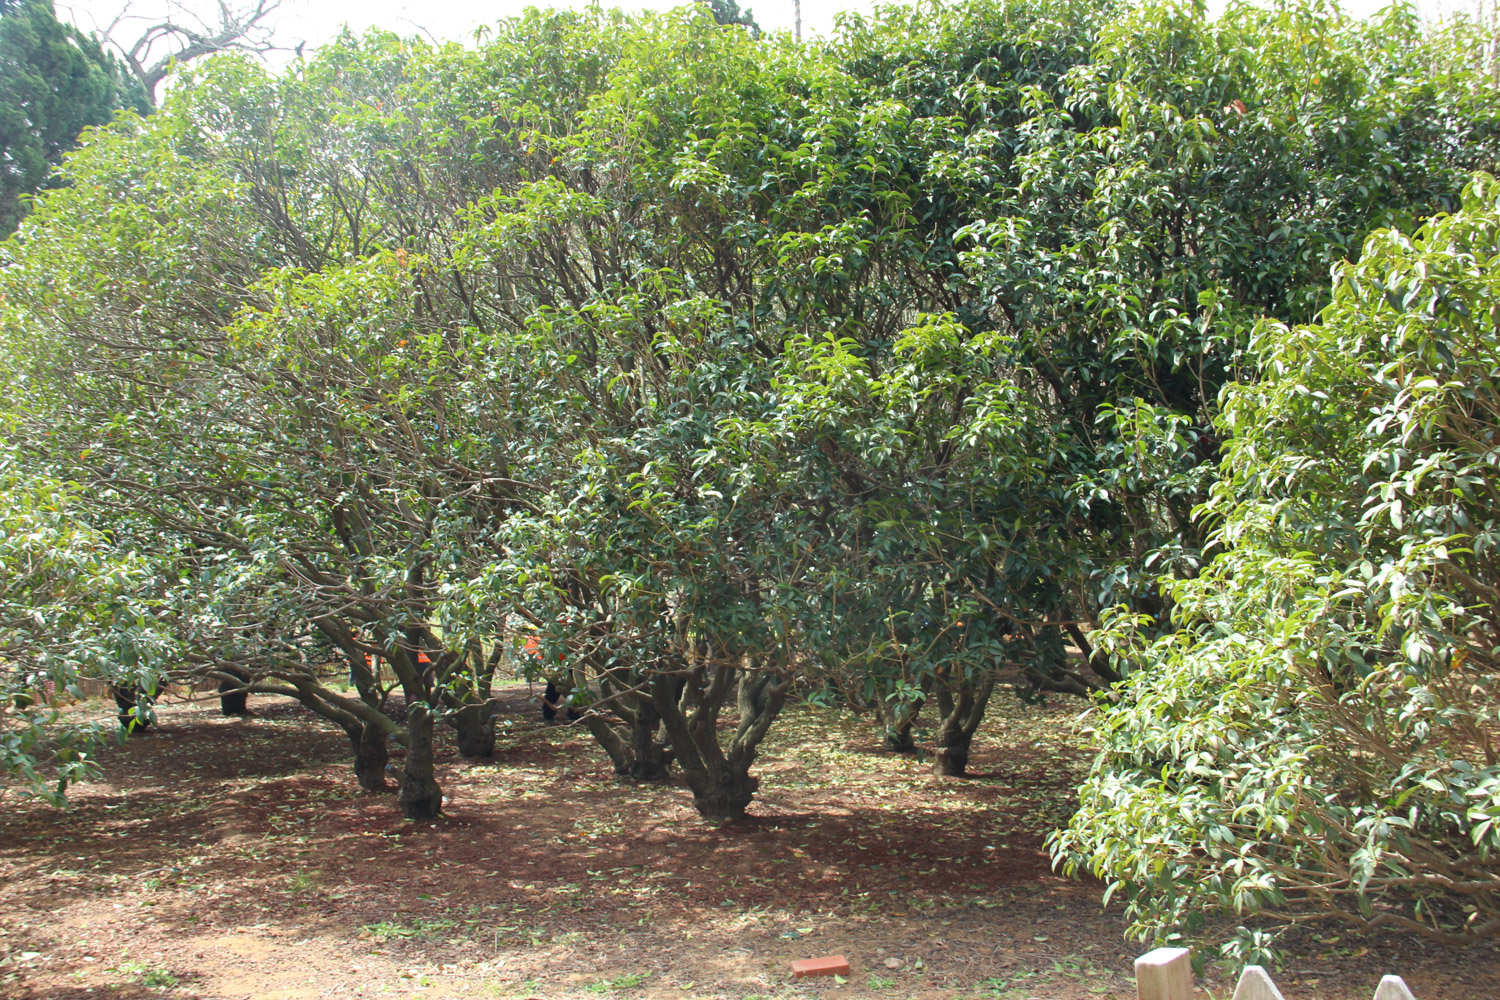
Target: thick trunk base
x,y
962,708
370,759
724,796
952,761
419,797
475,727
640,756
233,698
900,741
127,699
896,722
652,768
650,759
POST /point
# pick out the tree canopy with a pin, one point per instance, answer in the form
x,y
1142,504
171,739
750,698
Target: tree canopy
x,y
891,369
54,82
1316,733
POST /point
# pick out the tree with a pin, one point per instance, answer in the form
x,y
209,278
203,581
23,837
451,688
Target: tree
x,y
71,605
936,470
155,45
1083,202
355,359
896,360
656,566
54,82
282,514
1316,740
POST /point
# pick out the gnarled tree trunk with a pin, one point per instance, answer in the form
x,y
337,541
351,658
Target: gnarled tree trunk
x,y
898,735
897,716
962,702
475,726
134,716
631,737
720,779
722,791
366,721
370,756
464,685
649,757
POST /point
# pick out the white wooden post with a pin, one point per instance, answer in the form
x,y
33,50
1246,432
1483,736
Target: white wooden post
x,y
1167,974
1393,988
1255,984
1164,974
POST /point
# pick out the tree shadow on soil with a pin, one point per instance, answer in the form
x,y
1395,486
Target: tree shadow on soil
x,y
211,827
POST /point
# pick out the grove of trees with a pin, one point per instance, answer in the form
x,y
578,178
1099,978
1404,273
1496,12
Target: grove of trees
x,y
986,344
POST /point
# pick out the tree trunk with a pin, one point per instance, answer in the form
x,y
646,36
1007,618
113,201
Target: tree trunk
x,y
128,699
370,757
234,696
721,782
608,736
952,758
420,797
475,725
634,747
632,741
722,792
649,758
962,705
897,716
1098,662
898,739
464,687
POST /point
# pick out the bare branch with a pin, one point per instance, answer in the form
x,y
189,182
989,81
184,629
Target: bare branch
x,y
153,46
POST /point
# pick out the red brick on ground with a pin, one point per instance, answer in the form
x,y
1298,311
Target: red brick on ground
x,y
828,965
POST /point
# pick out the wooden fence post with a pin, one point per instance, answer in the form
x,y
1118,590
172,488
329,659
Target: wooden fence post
x,y
1164,974
1167,974
1255,984
1393,988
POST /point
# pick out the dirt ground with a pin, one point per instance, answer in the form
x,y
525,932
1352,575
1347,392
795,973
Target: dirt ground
x,y
227,858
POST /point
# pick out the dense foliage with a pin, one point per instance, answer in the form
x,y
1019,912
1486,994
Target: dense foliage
x,y
712,366
58,584
1318,733
54,82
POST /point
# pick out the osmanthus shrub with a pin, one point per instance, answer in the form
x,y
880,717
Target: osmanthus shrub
x,y
1318,736
241,330
71,603
1117,193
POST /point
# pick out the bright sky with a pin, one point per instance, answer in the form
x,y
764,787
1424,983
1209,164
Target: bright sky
x,y
316,22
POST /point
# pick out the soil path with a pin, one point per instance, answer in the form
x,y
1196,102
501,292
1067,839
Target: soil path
x,y
237,859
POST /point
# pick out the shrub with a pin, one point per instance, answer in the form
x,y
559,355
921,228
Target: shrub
x,y
1318,733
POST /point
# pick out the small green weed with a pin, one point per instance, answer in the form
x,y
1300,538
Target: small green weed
x,y
629,981
1005,987
418,928
150,976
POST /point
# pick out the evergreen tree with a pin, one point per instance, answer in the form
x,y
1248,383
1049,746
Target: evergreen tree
x,y
54,81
